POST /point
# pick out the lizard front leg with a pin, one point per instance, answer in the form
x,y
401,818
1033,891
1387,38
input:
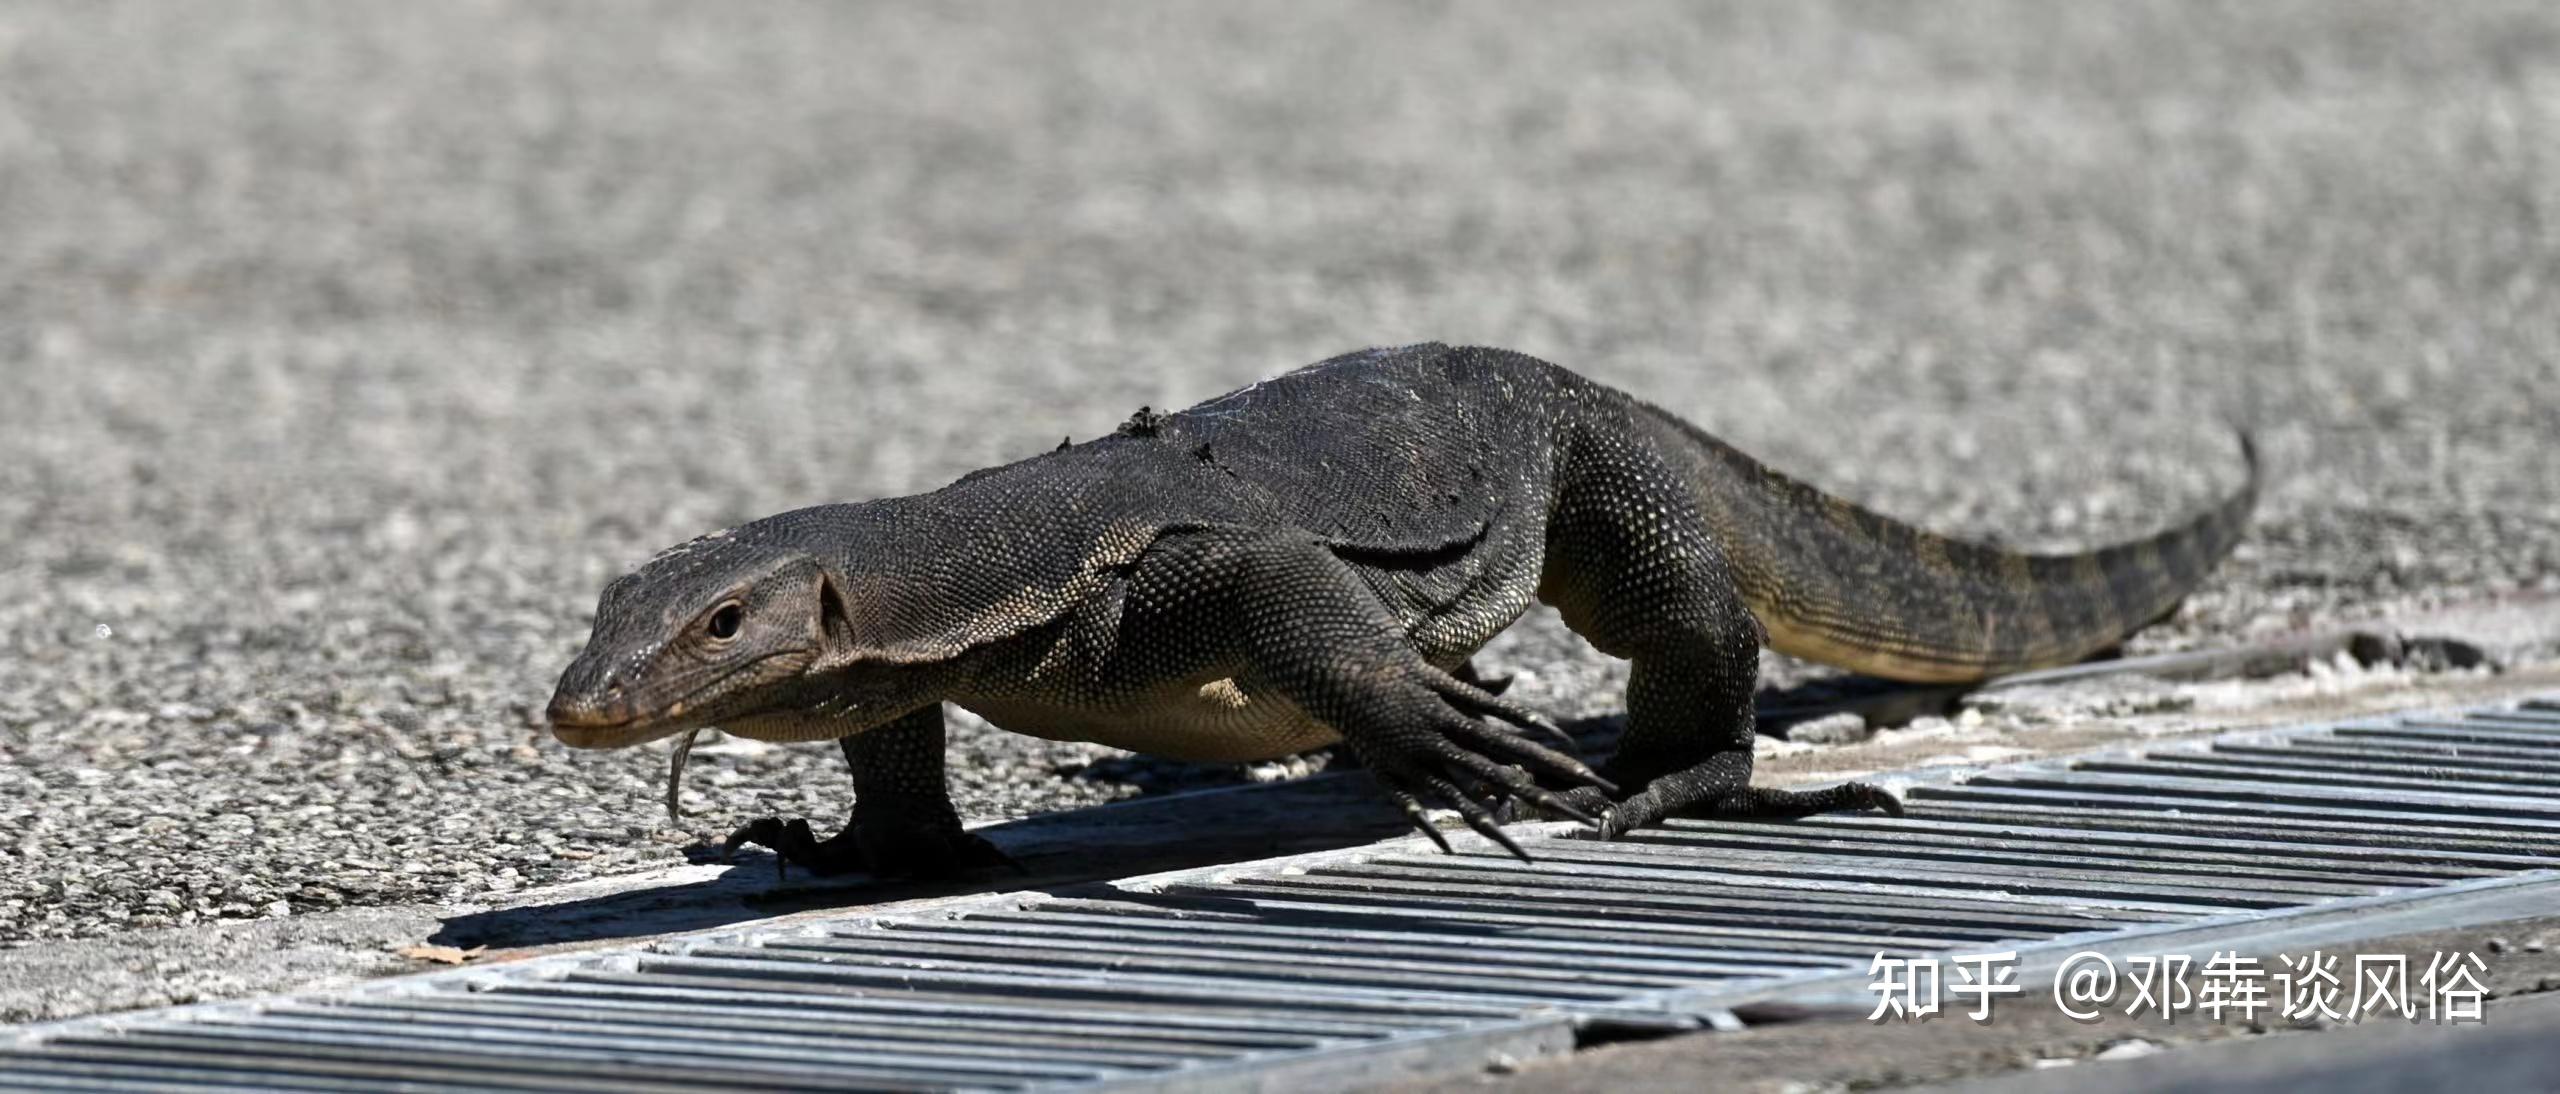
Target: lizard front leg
x,y
903,822
1280,608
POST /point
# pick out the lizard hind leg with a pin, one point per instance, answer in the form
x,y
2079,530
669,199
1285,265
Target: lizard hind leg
x,y
1634,571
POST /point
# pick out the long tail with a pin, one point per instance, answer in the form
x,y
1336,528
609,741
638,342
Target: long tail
x,y
1844,586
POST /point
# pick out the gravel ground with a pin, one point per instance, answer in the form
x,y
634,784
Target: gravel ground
x,y
350,348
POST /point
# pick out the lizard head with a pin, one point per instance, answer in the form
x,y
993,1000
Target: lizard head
x,y
725,629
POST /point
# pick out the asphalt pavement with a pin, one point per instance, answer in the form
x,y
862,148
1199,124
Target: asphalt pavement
x,y
348,349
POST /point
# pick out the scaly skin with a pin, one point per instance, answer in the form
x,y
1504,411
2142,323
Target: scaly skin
x,y
1312,559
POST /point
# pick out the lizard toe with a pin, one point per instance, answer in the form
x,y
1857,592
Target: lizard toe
x,y
793,843
1767,803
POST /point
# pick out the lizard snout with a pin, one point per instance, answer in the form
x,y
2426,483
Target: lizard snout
x,y
581,710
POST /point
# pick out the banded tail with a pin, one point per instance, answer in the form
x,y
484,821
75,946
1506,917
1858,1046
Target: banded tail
x,y
1845,586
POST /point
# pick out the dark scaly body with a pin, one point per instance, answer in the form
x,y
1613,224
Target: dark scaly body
x,y
1306,560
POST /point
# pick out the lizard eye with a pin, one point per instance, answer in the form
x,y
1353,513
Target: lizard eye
x,y
724,622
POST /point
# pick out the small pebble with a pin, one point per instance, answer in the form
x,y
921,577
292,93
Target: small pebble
x,y
1843,728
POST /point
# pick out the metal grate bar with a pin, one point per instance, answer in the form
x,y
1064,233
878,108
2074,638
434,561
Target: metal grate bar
x,y
2531,814
2416,842
1428,951
2097,794
960,1011
1131,1049
1369,962
2420,757
1308,970
2227,859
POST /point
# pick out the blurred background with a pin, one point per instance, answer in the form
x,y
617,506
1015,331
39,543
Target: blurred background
x,y
347,349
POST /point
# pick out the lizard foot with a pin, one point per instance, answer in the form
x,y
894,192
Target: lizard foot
x,y
925,849
1667,798
1463,763
885,850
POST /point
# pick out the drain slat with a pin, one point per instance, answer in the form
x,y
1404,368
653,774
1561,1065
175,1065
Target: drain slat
x,y
1898,868
1628,915
1230,967
75,1067
2522,759
2145,861
1353,907
2308,841
1195,991
2435,732
1117,1050
1232,1025
1516,952
2425,757
1742,880
2432,839
2162,795
1210,975
2494,719
367,1059
1211,928
498,1034
1918,895
2516,810
1775,910
1058,942
2356,777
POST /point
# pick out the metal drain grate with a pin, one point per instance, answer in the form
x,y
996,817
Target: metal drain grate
x,y
1393,959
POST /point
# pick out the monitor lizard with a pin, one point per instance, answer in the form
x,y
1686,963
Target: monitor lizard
x,y
1313,559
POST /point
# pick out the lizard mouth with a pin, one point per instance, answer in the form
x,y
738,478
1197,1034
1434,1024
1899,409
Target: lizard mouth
x,y
614,723
621,734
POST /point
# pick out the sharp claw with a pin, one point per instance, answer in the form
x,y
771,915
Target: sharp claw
x,y
1475,815
1511,782
769,833
1481,701
1460,686
1519,748
1413,810
1555,734
1555,803
749,834
1564,741
1485,826
1495,833
1572,768
1534,722
1583,773
1519,785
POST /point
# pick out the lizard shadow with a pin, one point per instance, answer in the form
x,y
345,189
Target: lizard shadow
x,y
1215,818
1152,834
